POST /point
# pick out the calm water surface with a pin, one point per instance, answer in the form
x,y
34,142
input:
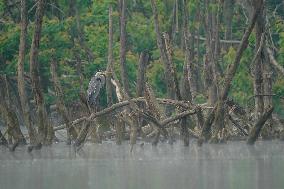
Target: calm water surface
x,y
108,166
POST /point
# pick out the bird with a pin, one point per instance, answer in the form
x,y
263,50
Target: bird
x,y
95,85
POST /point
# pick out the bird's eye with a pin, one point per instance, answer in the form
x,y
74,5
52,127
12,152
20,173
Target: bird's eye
x,y
99,79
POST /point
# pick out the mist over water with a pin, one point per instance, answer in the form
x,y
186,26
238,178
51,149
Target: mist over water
x,y
108,166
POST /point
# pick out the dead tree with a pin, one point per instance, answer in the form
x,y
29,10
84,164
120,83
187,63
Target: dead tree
x,y
80,34
228,18
218,111
110,59
140,86
141,81
231,73
189,77
21,81
123,68
9,115
44,128
169,79
155,112
255,132
259,64
71,132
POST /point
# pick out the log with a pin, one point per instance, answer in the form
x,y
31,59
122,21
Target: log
x,y
255,132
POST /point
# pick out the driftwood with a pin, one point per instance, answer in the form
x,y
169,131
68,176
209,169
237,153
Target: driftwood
x,y
255,132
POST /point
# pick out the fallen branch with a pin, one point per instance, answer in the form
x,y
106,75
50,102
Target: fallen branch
x,y
122,104
236,124
177,116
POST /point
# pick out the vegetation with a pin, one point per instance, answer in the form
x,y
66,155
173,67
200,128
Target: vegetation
x,y
203,53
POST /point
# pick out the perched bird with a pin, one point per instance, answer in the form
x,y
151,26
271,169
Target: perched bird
x,y
97,82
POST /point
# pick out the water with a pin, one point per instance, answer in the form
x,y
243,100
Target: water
x,y
108,166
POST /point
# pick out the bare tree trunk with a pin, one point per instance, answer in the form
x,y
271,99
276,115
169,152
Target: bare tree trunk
x,y
21,81
80,35
267,132
155,112
171,66
140,86
218,111
169,78
209,67
232,70
228,18
10,116
189,69
71,132
258,126
44,128
123,68
258,67
110,59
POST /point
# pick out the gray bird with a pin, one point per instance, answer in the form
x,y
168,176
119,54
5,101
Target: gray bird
x,y
97,82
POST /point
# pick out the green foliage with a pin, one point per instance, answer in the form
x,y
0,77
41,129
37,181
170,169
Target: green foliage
x,y
60,40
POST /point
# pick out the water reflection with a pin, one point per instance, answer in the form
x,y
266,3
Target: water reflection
x,y
103,166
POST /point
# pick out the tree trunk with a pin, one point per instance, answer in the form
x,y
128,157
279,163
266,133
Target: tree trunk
x,y
44,128
169,78
209,64
217,112
21,81
267,132
80,35
258,67
258,126
140,86
228,18
189,41
110,59
9,114
71,132
123,68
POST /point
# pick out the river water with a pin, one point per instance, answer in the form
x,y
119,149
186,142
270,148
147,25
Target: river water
x,y
108,166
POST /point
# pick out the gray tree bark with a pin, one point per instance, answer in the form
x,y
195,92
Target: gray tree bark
x,y
123,68
71,132
45,130
21,81
110,59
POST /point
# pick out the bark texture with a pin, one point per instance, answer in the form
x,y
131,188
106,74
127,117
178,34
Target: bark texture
x,y
123,68
71,132
21,80
44,128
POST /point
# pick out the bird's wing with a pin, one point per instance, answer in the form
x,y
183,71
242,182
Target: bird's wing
x,y
93,90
